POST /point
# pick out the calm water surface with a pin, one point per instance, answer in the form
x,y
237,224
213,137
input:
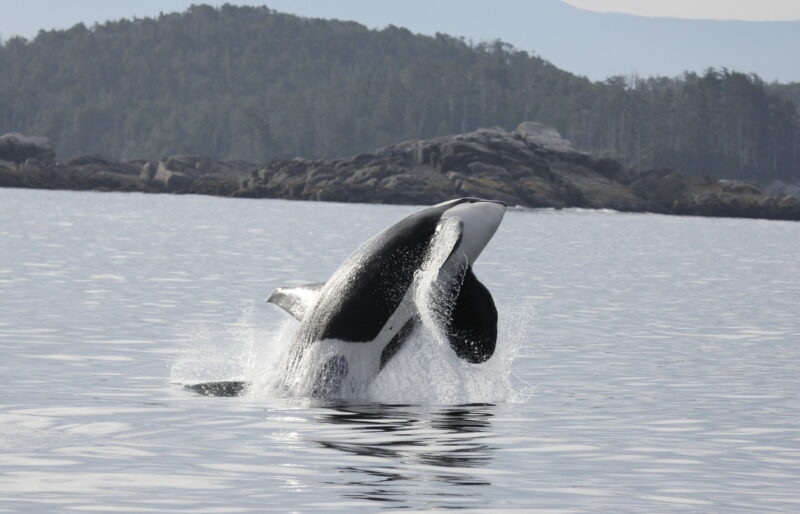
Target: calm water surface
x,y
646,364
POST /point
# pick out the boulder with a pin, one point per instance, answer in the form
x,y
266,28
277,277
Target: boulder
x,y
98,163
171,180
216,184
148,171
539,134
18,148
95,172
33,173
662,186
194,174
739,187
779,187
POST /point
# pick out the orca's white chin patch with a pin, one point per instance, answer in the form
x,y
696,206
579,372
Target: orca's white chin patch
x,y
481,219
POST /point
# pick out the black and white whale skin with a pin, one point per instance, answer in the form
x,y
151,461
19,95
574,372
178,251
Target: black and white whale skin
x,y
358,319
354,323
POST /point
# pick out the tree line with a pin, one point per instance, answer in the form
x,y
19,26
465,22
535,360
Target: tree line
x,y
251,83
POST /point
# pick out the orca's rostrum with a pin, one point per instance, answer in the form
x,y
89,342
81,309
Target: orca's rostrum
x,y
418,270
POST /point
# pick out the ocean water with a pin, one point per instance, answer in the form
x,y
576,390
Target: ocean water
x,y
646,363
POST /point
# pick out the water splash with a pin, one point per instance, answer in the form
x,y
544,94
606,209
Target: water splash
x,y
425,371
439,279
214,352
428,372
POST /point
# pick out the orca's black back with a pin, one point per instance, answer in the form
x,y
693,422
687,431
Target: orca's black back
x,y
361,307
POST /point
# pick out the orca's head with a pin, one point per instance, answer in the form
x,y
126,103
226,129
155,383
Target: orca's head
x,y
480,218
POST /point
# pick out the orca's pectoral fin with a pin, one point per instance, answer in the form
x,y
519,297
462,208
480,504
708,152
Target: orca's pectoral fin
x,y
296,300
226,388
471,327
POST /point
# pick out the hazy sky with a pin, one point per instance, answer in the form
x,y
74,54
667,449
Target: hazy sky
x,y
26,17
755,10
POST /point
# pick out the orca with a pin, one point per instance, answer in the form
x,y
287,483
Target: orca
x,y
353,324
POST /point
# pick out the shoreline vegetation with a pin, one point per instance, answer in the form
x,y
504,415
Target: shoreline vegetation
x,y
240,82
533,166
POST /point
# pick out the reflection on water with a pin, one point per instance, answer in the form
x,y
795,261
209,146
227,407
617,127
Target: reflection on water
x,y
412,447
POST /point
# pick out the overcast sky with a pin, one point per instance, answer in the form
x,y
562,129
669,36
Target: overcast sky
x,y
753,10
26,17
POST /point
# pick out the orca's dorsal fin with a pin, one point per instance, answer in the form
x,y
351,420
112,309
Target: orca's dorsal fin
x,y
296,299
471,327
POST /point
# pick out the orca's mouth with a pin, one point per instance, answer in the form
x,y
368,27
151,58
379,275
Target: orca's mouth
x,y
472,199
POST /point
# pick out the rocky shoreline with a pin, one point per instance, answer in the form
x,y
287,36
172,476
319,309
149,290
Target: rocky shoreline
x,y
530,167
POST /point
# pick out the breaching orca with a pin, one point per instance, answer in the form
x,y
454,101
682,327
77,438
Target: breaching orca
x,y
355,322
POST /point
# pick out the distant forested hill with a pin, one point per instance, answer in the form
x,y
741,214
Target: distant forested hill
x,y
789,91
251,83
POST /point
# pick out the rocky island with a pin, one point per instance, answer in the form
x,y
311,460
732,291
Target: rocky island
x,y
533,166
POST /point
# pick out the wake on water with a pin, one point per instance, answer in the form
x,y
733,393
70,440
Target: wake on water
x,y
425,371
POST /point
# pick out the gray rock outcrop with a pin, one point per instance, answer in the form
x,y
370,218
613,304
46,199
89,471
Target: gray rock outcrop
x,y
532,167
544,136
16,148
779,187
